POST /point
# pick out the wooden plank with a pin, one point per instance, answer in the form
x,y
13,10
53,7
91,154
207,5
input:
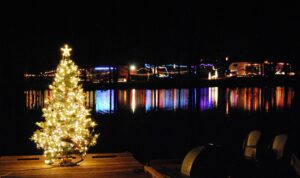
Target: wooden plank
x,y
164,168
94,165
69,173
153,172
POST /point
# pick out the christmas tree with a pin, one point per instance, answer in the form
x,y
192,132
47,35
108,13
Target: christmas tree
x,y
68,128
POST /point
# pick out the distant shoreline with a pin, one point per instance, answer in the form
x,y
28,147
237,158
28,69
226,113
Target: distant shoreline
x,y
183,83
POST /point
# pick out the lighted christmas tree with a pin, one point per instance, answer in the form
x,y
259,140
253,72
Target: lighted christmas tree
x,y
68,128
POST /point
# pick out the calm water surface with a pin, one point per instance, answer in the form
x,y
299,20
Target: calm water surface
x,y
111,101
163,123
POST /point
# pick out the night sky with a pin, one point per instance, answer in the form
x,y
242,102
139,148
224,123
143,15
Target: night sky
x,y
122,32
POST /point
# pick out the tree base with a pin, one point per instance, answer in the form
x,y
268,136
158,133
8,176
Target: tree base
x,y
67,161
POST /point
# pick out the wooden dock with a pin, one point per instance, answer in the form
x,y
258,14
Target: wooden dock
x,y
157,168
116,165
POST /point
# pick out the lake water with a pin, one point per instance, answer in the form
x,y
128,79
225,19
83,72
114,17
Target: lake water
x,y
251,99
162,123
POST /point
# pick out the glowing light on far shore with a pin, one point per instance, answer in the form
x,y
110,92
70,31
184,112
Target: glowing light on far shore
x,y
215,76
103,68
291,73
132,67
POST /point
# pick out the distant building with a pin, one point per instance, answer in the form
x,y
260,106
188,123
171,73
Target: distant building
x,y
149,72
254,69
238,69
123,73
284,69
267,68
206,70
102,74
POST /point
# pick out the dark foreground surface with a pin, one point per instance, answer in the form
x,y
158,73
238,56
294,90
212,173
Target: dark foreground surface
x,y
217,163
163,135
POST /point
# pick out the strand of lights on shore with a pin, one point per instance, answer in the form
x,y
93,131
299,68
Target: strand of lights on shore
x,y
104,68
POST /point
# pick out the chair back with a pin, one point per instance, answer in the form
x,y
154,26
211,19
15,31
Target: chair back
x,y
278,145
250,144
189,160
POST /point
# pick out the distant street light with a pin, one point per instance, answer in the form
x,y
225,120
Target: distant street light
x,y
132,67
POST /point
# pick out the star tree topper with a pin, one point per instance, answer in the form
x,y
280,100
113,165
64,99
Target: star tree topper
x,y
66,51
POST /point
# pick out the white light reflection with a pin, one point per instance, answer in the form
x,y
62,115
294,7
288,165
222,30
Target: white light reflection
x,y
133,100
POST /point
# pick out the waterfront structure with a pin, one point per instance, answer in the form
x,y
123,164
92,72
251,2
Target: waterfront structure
x,y
238,69
149,72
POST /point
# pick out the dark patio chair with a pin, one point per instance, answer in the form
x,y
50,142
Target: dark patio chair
x,y
278,146
204,161
250,145
247,165
277,158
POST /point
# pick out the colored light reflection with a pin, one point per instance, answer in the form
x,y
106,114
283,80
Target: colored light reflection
x,y
90,99
258,99
133,100
280,96
155,99
105,101
167,99
208,98
290,97
122,97
249,99
35,99
149,100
